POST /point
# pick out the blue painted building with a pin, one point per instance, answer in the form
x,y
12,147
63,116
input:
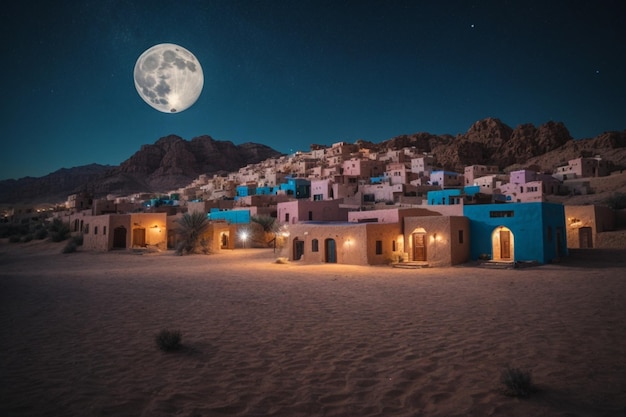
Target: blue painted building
x,y
444,197
297,187
230,216
517,232
451,196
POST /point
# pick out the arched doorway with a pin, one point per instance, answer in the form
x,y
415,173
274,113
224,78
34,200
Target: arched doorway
x,y
503,244
330,251
224,240
119,237
418,238
298,249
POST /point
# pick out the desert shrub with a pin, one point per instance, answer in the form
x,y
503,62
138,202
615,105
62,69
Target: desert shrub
x,y
78,239
58,230
70,247
27,238
517,383
168,340
41,234
73,244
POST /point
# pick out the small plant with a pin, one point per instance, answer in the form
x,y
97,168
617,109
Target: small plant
x,y
70,247
59,231
73,244
168,340
517,383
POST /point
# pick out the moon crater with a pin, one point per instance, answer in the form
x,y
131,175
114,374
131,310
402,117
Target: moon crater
x,y
168,77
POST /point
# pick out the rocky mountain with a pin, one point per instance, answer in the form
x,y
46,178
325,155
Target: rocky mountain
x,y
491,142
171,162
53,187
487,142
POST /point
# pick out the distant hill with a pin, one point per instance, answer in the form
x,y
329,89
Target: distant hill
x,y
172,162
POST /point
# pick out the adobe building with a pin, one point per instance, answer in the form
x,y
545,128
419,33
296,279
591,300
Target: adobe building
x,y
344,243
585,222
517,232
382,237
437,240
124,231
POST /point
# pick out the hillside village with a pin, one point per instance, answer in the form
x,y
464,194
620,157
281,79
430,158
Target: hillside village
x,y
348,204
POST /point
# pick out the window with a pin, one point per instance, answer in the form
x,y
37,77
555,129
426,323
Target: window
x,y
379,247
95,230
460,236
315,245
104,230
393,245
503,213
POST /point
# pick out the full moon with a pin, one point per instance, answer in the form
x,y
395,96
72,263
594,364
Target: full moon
x,y
168,77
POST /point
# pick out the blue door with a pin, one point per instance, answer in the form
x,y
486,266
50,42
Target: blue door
x,y
331,251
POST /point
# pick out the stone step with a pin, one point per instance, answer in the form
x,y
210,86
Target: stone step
x,y
411,265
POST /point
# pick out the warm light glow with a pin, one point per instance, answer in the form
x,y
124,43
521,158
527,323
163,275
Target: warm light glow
x,y
244,236
574,222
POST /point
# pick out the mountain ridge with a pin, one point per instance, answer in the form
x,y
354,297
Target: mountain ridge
x,y
173,162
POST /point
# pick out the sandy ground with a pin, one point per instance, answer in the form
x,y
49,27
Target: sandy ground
x,y
265,339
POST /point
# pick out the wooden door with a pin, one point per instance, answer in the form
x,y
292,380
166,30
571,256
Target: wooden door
x,y
584,237
331,251
505,244
419,247
139,237
119,237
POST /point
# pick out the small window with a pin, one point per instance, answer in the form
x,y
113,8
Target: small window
x,y
460,236
504,213
315,245
379,247
104,230
393,245
95,230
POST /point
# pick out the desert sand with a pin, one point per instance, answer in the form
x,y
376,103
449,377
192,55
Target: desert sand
x,y
268,339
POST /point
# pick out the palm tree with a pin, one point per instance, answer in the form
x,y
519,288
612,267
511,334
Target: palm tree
x,y
269,226
191,228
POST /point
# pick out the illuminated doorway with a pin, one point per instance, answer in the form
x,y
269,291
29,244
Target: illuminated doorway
x,y
419,246
224,241
298,249
503,244
139,237
330,249
418,239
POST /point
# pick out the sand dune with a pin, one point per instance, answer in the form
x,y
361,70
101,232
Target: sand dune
x,y
265,339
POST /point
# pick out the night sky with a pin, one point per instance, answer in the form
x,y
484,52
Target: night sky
x,y
291,73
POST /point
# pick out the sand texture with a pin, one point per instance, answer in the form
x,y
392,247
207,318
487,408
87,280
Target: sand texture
x,y
267,339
